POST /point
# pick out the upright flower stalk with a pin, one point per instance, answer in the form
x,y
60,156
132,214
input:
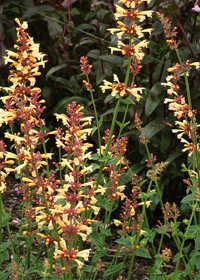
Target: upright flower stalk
x,y
133,52
61,206
182,110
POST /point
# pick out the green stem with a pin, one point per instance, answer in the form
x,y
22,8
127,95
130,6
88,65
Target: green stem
x,y
138,234
97,120
159,266
28,251
183,242
109,139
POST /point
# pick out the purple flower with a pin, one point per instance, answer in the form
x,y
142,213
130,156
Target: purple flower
x,y
16,221
17,189
196,7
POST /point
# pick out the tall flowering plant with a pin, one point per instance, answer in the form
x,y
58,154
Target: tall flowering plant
x,y
78,195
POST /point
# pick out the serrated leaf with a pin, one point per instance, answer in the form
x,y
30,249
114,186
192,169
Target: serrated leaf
x,y
124,241
4,275
193,231
96,239
100,255
176,257
4,256
88,268
4,246
198,262
197,243
153,127
143,252
95,156
6,219
54,69
105,231
113,269
188,198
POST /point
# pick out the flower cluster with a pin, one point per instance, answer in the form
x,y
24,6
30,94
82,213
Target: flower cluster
x,y
128,29
3,164
178,103
63,202
169,34
86,69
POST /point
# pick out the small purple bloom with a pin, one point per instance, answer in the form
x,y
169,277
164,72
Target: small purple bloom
x,y
16,221
17,189
196,7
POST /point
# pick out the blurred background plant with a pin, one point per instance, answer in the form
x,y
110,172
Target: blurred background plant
x,y
67,30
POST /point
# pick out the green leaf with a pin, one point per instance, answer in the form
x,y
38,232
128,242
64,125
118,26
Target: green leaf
x,y
105,231
188,198
124,241
193,231
4,275
176,257
110,111
94,54
100,122
54,28
115,59
96,239
173,157
95,156
88,268
54,69
67,100
37,9
100,255
126,62
166,136
83,26
4,256
4,246
62,81
198,263
155,97
143,252
153,127
46,92
86,40
6,219
197,243
113,269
